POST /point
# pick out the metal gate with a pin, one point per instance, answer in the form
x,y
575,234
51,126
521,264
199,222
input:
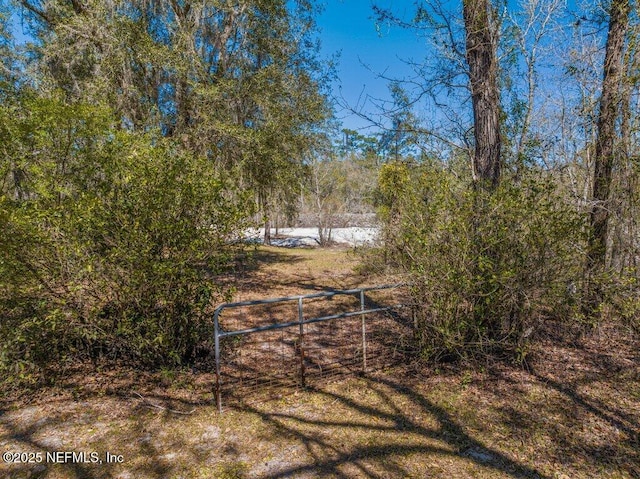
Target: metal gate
x,y
302,348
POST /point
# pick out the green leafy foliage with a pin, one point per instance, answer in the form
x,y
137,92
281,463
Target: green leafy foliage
x,y
125,181
111,242
486,267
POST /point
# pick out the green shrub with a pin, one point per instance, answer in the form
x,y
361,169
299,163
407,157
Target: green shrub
x,y
111,241
486,267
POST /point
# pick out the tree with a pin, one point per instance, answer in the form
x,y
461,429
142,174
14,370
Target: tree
x,y
401,137
528,41
461,64
605,152
481,47
338,191
484,261
237,82
625,244
131,157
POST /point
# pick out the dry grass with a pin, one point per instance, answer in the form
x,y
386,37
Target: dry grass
x,y
575,413
271,272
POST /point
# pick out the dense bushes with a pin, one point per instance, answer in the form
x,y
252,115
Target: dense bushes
x,y
486,266
110,240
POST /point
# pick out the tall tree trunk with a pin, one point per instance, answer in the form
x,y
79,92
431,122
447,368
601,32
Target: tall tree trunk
x,y
481,53
264,207
605,148
267,231
626,237
481,44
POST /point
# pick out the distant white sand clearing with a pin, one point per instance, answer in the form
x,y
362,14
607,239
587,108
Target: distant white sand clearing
x,y
354,236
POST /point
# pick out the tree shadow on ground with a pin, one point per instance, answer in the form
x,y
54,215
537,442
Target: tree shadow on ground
x,y
577,409
595,396
579,401
25,437
384,425
393,431
301,269
49,431
251,261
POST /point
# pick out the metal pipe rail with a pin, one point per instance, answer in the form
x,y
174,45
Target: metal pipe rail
x,y
219,333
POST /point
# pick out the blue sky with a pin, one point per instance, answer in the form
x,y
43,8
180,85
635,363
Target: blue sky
x,y
368,50
348,27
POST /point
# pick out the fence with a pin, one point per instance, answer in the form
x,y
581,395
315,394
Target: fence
x,y
301,342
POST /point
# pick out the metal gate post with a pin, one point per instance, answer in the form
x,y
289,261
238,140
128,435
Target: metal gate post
x,y
300,341
216,341
364,334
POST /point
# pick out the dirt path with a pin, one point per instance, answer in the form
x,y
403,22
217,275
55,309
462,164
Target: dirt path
x,y
256,366
575,413
273,272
